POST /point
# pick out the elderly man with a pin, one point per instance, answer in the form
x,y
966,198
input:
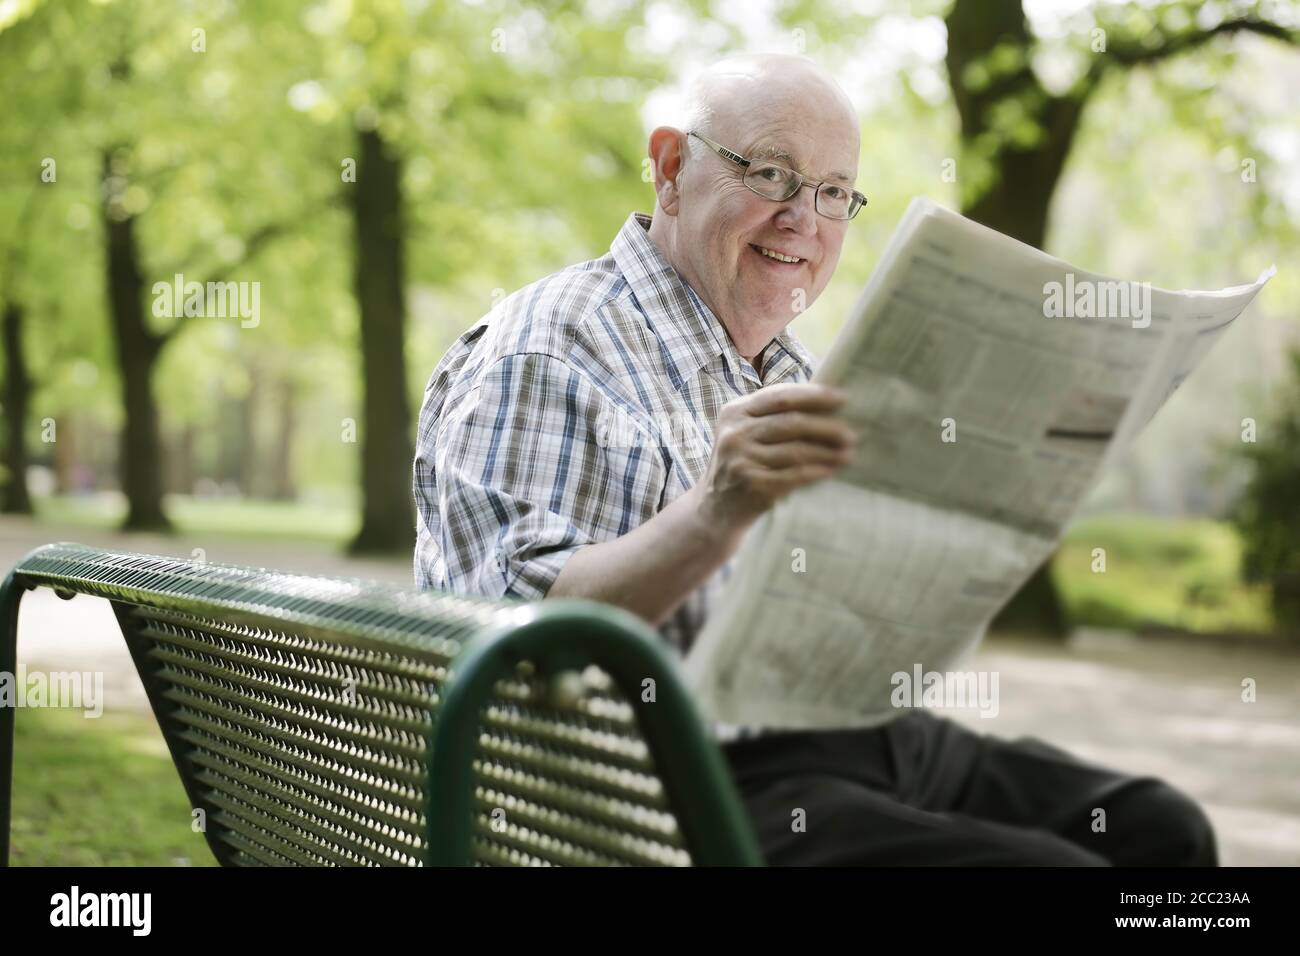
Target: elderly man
x,y
611,431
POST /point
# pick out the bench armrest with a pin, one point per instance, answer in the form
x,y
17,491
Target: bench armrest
x,y
566,635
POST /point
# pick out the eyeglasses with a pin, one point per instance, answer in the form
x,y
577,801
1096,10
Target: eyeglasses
x,y
776,182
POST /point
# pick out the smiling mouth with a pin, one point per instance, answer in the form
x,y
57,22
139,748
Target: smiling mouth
x,y
771,255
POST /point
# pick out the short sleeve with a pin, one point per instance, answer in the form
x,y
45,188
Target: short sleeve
x,y
528,470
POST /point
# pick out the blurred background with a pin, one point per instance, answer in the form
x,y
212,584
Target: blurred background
x,y
386,170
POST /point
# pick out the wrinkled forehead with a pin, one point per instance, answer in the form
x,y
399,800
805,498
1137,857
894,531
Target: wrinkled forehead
x,y
799,152
803,126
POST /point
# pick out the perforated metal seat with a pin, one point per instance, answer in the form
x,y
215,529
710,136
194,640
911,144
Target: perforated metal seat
x,y
324,721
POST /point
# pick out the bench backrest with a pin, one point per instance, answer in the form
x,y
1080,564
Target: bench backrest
x,y
325,721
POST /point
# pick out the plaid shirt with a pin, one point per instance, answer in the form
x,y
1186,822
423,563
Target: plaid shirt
x,y
578,408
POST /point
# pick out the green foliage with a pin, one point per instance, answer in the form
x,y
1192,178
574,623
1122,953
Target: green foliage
x,y
519,135
1159,573
1268,514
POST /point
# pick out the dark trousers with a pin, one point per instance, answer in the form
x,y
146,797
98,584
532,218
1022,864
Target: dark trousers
x,y
925,791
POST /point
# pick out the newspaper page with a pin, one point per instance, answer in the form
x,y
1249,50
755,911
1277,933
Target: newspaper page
x,y
989,383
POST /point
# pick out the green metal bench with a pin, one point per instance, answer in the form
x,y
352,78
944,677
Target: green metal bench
x,y
324,721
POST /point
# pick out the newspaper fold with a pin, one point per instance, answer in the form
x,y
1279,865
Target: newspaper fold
x,y
990,383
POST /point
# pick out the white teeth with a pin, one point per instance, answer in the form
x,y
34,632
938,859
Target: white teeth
x,y
776,255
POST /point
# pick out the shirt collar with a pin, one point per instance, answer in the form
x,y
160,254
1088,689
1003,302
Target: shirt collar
x,y
680,318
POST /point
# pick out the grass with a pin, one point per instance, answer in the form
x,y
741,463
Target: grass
x,y
243,518
98,792
1179,573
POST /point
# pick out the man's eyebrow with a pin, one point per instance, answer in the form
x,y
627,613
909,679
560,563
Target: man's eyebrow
x,y
773,152
779,154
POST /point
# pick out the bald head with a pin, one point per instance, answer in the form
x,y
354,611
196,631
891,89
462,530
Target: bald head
x,y
750,258
725,94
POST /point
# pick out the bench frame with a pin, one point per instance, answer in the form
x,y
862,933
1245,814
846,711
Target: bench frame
x,y
554,636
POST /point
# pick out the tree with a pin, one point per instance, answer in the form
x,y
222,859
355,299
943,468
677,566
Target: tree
x,y
131,117
379,269
1268,514
16,396
502,138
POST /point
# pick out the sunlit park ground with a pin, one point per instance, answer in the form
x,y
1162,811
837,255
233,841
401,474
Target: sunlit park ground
x,y
1150,680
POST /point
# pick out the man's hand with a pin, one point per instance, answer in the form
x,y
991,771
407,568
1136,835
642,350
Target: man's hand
x,y
765,445
769,443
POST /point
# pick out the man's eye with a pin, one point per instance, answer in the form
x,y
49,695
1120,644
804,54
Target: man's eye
x,y
771,174
835,193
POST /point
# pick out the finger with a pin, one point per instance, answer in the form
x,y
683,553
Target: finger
x,y
801,426
777,483
791,453
794,396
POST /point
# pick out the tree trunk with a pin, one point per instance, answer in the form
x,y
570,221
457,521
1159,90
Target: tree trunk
x,y
1017,201
137,355
14,498
226,471
282,483
247,459
180,458
69,452
387,514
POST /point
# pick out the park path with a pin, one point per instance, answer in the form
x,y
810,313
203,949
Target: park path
x,y
1165,706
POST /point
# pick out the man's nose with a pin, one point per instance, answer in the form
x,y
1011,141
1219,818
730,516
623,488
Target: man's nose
x,y
799,212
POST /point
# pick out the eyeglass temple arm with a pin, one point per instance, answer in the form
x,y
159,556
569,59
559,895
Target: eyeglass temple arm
x,y
721,150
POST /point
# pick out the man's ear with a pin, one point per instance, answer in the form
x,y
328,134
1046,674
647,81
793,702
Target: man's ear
x,y
667,147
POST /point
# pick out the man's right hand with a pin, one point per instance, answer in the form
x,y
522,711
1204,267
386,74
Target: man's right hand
x,y
769,443
765,445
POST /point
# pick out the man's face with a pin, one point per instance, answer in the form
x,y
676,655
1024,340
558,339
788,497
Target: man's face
x,y
723,224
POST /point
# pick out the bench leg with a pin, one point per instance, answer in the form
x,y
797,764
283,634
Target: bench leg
x,y
10,594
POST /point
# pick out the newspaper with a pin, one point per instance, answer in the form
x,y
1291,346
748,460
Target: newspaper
x,y
989,382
